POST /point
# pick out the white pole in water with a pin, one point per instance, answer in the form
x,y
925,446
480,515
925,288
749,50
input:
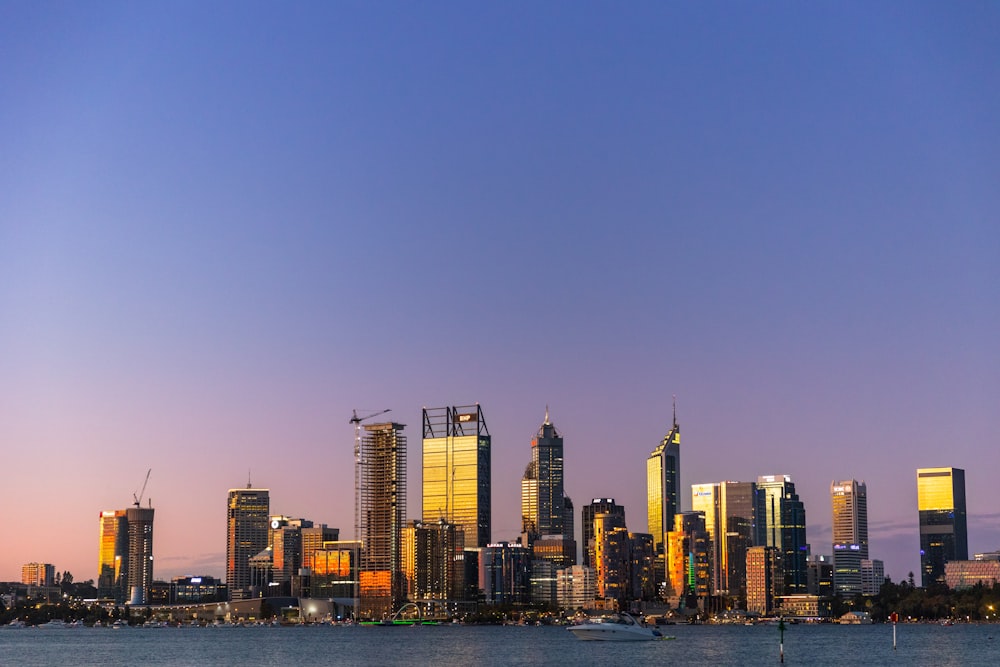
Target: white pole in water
x,y
893,617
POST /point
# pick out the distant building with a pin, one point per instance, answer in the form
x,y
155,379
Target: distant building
x,y
819,575
507,570
783,518
803,606
247,534
543,498
729,509
872,576
38,574
764,574
439,572
112,563
334,571
588,512
557,549
383,515
689,558
663,479
576,587
642,560
456,470
192,590
944,533
611,556
849,499
543,582
140,553
961,574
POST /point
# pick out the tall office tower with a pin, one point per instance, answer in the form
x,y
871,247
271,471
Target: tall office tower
x,y
247,533
112,563
663,478
383,516
611,556
286,551
456,467
542,493
506,573
783,518
688,557
140,553
944,534
38,574
850,534
764,574
587,514
729,509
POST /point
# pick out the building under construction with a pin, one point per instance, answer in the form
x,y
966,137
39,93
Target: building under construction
x,y
382,511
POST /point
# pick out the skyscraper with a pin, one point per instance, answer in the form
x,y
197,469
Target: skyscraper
x,y
383,515
140,553
850,534
112,563
730,510
587,514
543,498
663,477
456,471
943,531
247,533
783,518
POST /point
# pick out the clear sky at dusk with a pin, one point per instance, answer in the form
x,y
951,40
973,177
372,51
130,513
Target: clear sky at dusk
x,y
223,226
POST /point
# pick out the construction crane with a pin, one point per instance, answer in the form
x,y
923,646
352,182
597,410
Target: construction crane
x,y
356,420
138,498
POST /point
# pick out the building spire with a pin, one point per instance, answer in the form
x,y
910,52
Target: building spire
x,y
546,413
675,410
248,479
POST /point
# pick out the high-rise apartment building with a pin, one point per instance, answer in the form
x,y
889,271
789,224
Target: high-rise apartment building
x,y
38,574
663,478
587,514
729,509
783,518
247,534
456,471
849,499
944,533
383,516
112,563
764,574
438,568
688,557
611,556
140,553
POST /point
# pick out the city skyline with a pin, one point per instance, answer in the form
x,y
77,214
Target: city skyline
x,y
783,214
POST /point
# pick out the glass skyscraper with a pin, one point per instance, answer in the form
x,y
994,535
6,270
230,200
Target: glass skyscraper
x,y
543,499
729,509
663,477
247,534
456,471
944,534
782,518
849,499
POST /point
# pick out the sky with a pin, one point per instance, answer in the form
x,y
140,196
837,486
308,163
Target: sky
x,y
225,226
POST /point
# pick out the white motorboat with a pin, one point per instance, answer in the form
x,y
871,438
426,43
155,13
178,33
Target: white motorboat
x,y
620,627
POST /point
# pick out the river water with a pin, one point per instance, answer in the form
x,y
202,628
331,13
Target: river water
x,y
469,645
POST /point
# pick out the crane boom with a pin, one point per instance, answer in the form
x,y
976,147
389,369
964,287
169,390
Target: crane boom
x,y
138,499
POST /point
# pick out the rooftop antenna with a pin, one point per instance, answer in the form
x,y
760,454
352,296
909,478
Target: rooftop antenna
x,y
248,479
675,409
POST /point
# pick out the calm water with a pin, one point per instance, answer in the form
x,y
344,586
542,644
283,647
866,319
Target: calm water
x,y
446,645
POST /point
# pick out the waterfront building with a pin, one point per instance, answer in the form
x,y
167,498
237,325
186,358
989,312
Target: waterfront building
x,y
247,534
819,575
642,560
688,558
543,582
872,576
803,606
313,538
112,563
383,516
576,587
663,476
849,499
962,574
943,525
193,590
334,572
588,512
140,553
729,509
507,573
456,470
783,519
285,540
543,497
439,555
611,556
38,574
764,575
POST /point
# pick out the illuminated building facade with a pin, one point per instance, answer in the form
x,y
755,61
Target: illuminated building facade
x,y
247,534
688,557
439,554
507,573
576,587
383,516
663,477
849,499
543,498
456,471
112,564
782,516
588,512
38,574
944,533
611,556
764,575
334,570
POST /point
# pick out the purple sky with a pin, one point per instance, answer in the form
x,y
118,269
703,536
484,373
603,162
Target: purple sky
x,y
225,226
